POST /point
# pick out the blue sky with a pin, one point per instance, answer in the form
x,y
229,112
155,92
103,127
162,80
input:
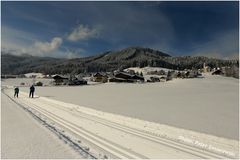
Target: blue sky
x,y
77,29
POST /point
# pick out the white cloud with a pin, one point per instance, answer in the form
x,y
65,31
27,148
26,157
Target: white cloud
x,y
19,42
71,55
73,52
83,33
48,46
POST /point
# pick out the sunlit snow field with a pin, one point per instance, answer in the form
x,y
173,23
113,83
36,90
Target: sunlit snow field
x,y
208,105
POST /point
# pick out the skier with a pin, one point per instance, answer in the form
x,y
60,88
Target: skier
x,y
32,89
16,91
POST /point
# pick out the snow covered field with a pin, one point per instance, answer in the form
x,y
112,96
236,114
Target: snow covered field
x,y
22,137
194,118
208,105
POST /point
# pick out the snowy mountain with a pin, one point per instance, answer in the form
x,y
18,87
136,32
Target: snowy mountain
x,y
107,61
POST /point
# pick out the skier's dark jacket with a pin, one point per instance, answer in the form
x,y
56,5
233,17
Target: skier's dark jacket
x,y
16,90
32,89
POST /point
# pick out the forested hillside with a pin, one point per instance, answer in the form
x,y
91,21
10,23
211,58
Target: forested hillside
x,y
108,61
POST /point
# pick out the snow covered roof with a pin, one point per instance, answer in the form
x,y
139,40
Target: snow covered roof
x,y
99,74
59,77
37,75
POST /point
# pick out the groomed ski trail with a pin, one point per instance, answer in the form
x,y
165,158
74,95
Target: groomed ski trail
x,y
115,139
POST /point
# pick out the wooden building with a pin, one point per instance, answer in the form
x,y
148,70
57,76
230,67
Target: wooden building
x,y
129,77
58,80
98,77
217,72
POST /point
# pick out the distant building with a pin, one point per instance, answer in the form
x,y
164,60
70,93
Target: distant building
x,y
58,80
114,79
130,71
138,78
75,82
179,75
98,77
163,79
191,74
154,79
217,72
123,75
126,77
170,75
38,83
130,77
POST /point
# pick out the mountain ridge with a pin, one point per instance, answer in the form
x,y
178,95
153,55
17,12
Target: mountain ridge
x,y
106,61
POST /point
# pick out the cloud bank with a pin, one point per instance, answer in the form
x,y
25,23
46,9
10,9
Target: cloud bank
x,y
82,32
48,46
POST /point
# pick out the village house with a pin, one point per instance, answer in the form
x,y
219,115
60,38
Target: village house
x,y
217,72
194,74
114,79
126,77
187,74
72,80
59,80
178,75
157,79
130,71
138,78
163,79
100,77
170,75
123,75
76,81
154,79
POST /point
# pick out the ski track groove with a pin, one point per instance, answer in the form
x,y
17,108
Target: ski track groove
x,y
196,152
148,137
144,135
140,156
119,152
82,151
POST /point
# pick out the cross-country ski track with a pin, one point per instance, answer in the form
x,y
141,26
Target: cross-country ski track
x,y
112,138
